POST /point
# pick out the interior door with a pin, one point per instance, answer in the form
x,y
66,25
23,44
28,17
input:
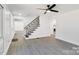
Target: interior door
x,y
1,29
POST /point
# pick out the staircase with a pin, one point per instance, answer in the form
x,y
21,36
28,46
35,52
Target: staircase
x,y
31,27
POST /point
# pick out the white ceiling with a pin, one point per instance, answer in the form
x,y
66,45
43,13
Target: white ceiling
x,y
31,9
26,9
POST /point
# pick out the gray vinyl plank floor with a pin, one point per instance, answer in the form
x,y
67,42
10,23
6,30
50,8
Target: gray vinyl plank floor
x,y
42,46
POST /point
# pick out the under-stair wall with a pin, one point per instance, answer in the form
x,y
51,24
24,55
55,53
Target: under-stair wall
x,y
44,29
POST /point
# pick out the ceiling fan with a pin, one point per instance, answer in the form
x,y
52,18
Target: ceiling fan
x,y
49,8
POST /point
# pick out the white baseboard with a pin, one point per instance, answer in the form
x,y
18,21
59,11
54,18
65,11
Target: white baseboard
x,y
37,37
66,40
5,51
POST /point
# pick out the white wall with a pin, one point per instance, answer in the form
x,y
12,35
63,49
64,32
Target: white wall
x,y
0,22
52,25
19,26
68,27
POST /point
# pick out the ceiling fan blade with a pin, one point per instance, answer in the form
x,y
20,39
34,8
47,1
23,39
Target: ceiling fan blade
x,y
52,6
41,9
48,6
54,10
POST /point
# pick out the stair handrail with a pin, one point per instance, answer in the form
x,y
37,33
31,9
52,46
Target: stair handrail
x,y
31,22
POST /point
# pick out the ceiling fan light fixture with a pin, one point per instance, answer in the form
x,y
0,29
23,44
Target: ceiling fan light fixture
x,y
19,14
48,11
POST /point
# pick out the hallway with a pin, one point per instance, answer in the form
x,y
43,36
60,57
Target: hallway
x,y
41,46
